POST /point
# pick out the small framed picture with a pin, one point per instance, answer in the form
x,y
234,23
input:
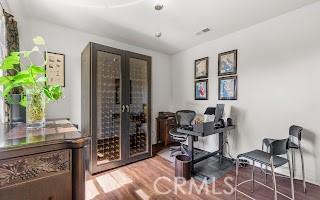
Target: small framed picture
x,y
227,63
55,69
201,90
201,68
228,88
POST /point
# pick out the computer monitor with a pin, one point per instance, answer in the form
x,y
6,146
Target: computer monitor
x,y
219,112
210,111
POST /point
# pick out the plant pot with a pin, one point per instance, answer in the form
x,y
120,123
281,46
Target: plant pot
x,y
17,112
35,109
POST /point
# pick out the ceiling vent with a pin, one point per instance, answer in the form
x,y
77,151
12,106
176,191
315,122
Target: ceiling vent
x,y
203,31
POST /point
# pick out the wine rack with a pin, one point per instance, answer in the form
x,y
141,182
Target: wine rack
x,y
108,149
137,143
116,102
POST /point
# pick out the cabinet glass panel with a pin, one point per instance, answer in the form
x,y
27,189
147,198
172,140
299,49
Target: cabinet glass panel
x,y
108,107
138,96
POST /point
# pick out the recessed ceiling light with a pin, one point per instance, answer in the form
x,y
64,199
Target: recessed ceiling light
x,y
158,34
158,6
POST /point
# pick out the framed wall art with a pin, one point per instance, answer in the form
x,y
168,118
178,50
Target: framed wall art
x,y
228,88
201,68
201,89
227,63
55,69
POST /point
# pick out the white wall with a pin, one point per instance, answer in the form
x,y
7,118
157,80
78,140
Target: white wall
x,y
278,67
279,84
71,43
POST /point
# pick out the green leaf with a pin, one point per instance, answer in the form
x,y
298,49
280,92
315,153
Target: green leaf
x,y
36,70
10,61
24,82
24,72
39,40
23,78
7,90
5,80
56,92
10,100
23,101
47,93
53,92
15,53
20,76
42,79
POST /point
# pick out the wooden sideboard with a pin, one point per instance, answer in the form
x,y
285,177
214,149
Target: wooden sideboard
x,y
42,164
164,125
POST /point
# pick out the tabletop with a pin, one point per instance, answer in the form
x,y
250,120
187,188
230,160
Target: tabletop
x,y
19,136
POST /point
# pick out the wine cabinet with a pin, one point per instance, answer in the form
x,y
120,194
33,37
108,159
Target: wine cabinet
x,y
116,106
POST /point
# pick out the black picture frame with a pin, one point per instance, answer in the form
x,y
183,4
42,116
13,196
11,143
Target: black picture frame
x,y
235,63
196,97
63,64
235,88
206,59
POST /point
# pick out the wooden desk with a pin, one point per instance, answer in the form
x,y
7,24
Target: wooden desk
x,y
38,164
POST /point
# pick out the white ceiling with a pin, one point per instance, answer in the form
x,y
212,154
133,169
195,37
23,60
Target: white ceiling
x,y
136,23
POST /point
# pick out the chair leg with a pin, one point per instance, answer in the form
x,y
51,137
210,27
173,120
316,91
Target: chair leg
x,y
183,150
252,177
303,174
291,177
293,160
266,175
274,180
262,149
266,171
236,183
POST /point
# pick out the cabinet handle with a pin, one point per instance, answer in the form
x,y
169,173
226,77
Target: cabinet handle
x,y
128,108
123,108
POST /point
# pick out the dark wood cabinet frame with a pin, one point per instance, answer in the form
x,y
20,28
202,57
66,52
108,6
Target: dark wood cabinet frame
x,y
89,104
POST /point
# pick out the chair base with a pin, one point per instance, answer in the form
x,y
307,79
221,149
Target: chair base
x,y
254,156
250,180
284,176
176,149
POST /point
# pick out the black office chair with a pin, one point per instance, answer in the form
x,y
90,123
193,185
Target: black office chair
x,y
294,136
271,159
183,120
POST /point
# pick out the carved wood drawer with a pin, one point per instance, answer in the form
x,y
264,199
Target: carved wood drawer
x,y
28,168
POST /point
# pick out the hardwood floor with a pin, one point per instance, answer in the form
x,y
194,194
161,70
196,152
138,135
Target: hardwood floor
x,y
136,181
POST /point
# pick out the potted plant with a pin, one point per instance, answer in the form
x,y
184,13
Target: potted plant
x,y
35,92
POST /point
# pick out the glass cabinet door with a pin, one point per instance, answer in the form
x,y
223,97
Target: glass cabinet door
x,y
139,106
108,104
116,106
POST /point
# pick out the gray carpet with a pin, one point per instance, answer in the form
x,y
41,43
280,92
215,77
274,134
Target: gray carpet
x,y
206,170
